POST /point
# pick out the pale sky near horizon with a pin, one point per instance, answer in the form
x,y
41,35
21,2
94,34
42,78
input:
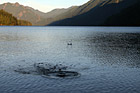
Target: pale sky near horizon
x,y
47,5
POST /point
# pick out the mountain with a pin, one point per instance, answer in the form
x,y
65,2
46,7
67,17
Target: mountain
x,y
127,17
8,19
95,12
70,12
21,12
34,16
74,11
52,16
92,13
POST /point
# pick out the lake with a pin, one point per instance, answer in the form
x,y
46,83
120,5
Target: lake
x,y
106,58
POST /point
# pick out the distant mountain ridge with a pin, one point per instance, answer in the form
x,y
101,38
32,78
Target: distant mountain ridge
x,y
98,14
92,13
21,12
74,11
28,13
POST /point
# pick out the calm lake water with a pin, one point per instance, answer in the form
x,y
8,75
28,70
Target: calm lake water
x,y
107,58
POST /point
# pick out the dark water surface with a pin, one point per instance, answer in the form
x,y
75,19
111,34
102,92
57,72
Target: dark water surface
x,y
107,58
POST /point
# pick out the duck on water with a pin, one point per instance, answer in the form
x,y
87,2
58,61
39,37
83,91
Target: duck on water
x,y
69,43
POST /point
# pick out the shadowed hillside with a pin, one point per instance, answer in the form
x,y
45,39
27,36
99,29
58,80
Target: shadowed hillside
x,y
75,11
127,17
97,15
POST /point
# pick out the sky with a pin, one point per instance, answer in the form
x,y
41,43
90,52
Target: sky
x,y
47,5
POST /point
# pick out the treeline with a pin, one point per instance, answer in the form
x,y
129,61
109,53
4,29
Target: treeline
x,y
9,20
